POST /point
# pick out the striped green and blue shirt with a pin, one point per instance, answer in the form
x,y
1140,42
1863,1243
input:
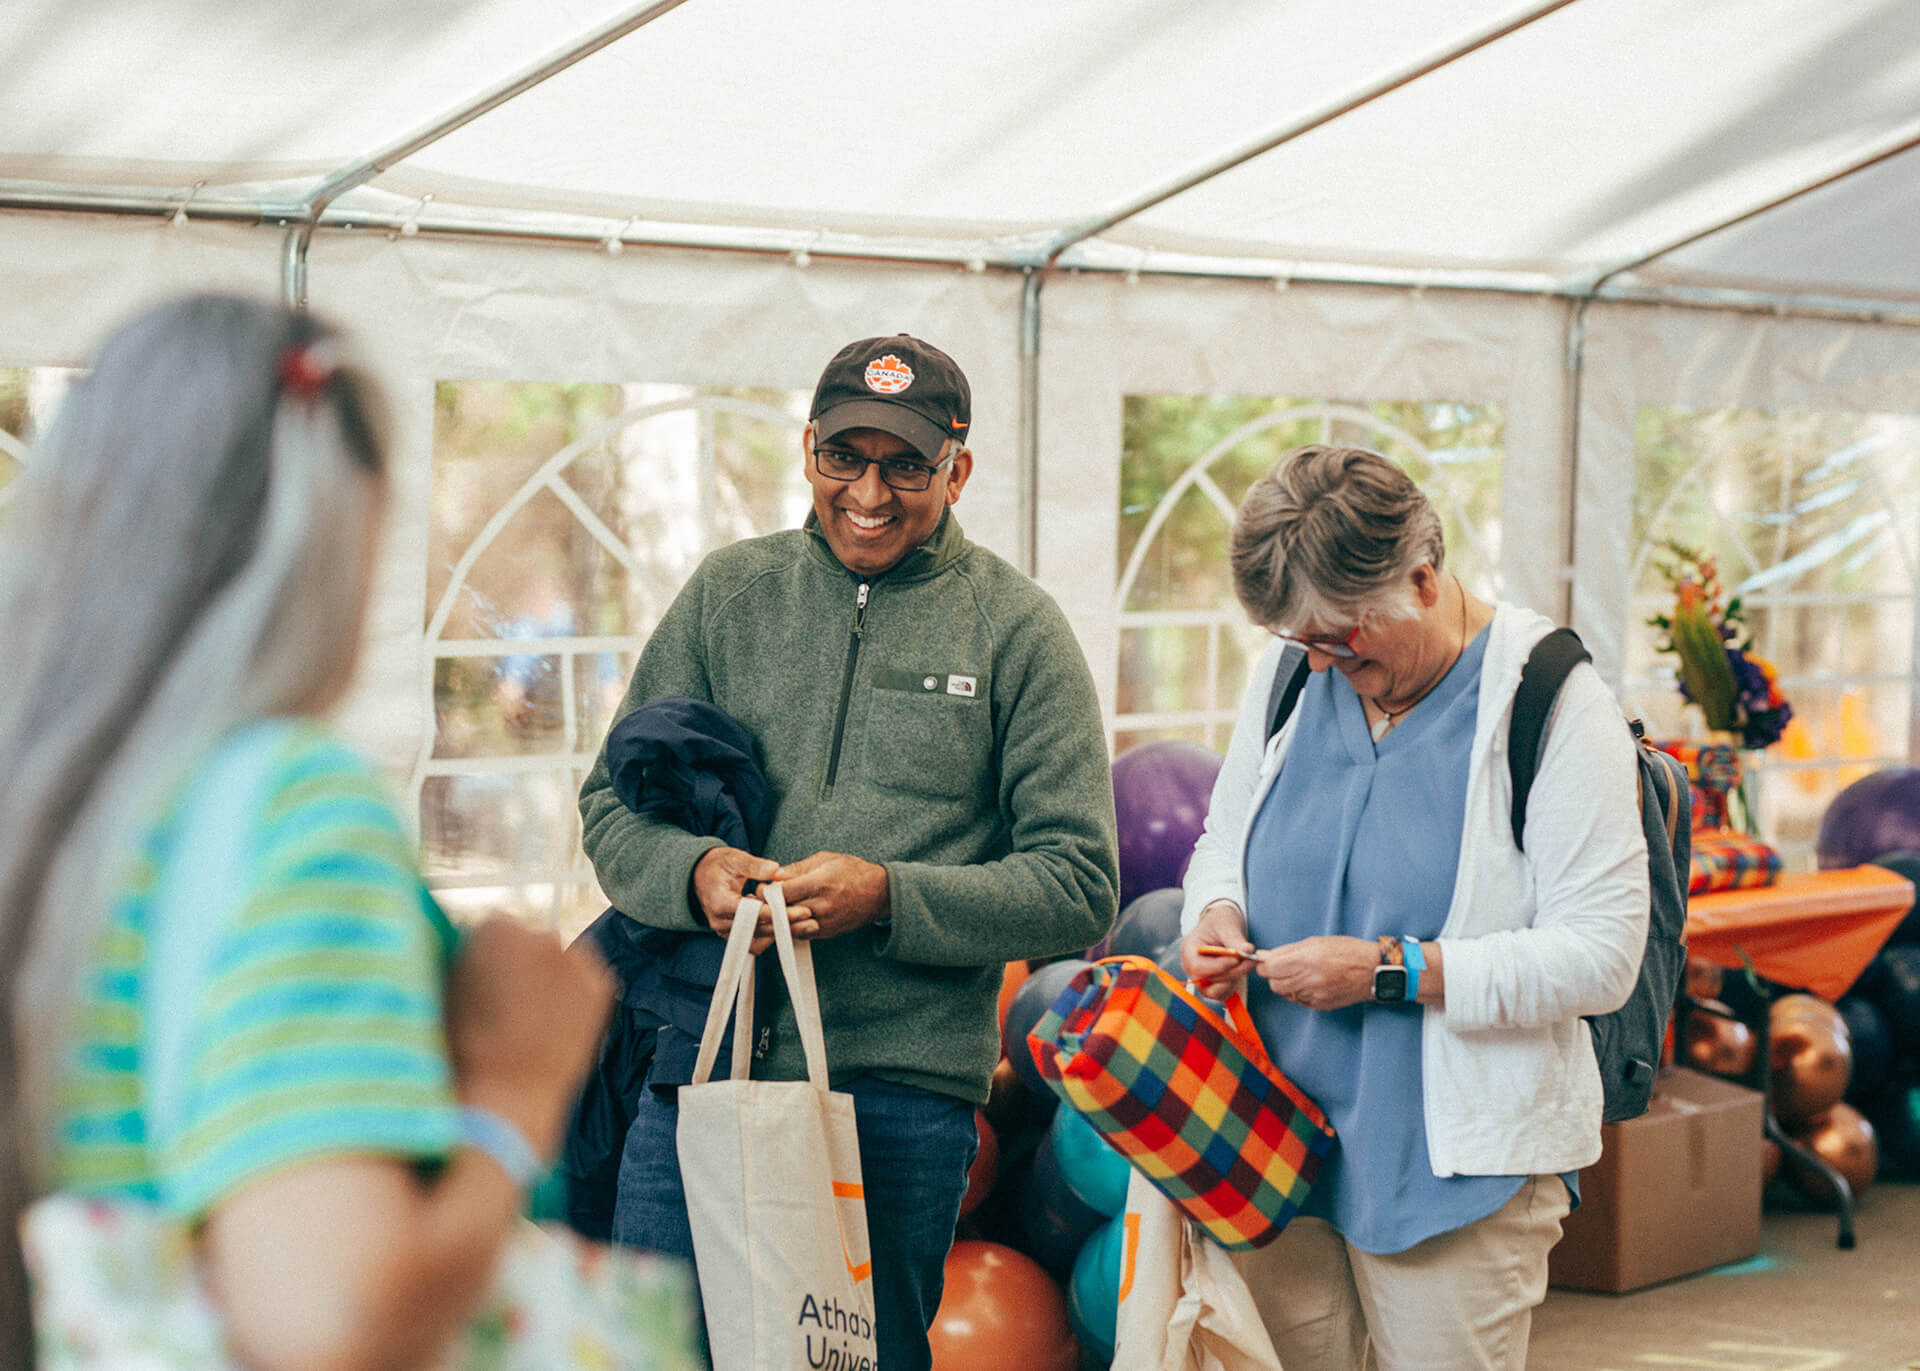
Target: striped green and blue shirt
x,y
318,1031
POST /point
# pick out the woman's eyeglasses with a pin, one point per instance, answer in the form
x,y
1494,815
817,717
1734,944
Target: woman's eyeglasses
x,y
836,464
1340,646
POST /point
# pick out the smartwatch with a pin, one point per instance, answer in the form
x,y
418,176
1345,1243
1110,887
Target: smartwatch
x,y
1390,981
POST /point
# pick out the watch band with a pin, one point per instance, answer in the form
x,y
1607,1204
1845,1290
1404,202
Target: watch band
x,y
1415,961
491,1133
1392,952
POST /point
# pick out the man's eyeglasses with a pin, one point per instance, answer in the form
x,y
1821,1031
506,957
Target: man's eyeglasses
x,y
1341,647
837,464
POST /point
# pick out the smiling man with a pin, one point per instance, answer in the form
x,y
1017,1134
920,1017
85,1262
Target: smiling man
x,y
929,730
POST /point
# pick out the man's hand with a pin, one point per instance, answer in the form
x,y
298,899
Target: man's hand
x,y
830,894
1322,973
1222,924
720,880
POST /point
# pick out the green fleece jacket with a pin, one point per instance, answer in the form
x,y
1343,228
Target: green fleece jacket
x,y
939,720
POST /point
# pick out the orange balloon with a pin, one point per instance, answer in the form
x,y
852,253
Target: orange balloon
x,y
1793,1009
986,1165
1010,981
1720,1047
1811,1067
1001,1312
1844,1139
1006,1095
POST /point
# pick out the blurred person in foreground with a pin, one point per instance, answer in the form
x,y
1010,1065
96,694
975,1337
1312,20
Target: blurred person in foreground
x,y
1411,970
943,804
187,564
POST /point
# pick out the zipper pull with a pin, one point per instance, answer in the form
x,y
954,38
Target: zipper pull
x,y
860,607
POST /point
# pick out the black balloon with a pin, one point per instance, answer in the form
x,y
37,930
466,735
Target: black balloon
x,y
1895,1114
1893,983
1033,999
1872,1045
1147,926
1053,1220
1906,863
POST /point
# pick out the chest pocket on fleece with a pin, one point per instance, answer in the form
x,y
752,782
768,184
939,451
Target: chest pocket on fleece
x,y
928,733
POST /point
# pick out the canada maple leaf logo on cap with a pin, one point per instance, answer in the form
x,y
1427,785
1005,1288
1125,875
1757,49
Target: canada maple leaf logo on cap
x,y
888,375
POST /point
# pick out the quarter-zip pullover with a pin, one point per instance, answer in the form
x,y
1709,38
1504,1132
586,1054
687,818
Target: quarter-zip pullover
x,y
938,719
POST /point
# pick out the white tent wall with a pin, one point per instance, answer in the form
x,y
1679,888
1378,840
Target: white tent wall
x,y
432,309
1638,356
1104,337
427,311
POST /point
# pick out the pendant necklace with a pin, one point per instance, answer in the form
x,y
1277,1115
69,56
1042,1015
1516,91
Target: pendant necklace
x,y
1386,720
1389,717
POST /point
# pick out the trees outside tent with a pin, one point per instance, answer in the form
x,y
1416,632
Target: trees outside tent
x,y
28,397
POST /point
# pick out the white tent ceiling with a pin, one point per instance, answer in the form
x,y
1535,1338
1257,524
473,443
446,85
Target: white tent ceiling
x,y
1541,146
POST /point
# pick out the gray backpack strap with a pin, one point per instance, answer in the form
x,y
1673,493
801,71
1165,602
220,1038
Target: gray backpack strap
x,y
201,887
1289,676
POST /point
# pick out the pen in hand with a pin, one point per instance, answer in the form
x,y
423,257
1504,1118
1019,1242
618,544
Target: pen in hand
x,y
1215,950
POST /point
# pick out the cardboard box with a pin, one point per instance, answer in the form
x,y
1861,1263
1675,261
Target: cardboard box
x,y
1675,1191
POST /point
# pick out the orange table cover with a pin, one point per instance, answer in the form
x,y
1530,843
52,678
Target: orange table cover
x,y
1814,929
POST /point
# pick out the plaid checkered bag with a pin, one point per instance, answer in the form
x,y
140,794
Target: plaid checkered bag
x,y
1190,1098
1728,860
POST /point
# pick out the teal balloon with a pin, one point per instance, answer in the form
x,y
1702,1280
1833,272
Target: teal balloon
x,y
1093,1295
1094,1172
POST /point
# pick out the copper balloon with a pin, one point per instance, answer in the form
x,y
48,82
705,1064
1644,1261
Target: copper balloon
x,y
1811,1067
986,1165
1007,1095
1792,1009
1720,1046
1841,1137
1001,1312
1769,1160
1704,979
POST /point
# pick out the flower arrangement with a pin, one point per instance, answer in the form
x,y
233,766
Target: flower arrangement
x,y
1737,689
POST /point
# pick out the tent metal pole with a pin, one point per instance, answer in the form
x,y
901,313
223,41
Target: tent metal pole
x,y
1905,142
1326,114
503,226
1029,508
364,169
1576,346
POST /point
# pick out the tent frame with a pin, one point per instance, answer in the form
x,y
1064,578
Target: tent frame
x,y
318,209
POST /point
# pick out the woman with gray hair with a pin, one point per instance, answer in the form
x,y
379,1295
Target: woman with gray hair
x,y
346,1126
1410,968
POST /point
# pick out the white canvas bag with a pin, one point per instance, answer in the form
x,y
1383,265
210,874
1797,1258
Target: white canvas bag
x,y
772,1177
1184,1306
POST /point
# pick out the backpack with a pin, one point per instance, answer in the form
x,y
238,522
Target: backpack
x,y
1626,1043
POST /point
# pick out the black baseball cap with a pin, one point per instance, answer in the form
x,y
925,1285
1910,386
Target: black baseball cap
x,y
898,385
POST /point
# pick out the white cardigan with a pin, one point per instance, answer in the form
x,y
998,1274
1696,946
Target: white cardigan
x,y
1530,943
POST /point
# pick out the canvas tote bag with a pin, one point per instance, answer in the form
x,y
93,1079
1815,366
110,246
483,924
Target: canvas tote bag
x,y
1184,1305
772,1177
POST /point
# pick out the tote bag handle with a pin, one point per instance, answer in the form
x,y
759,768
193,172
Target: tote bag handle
x,y
733,994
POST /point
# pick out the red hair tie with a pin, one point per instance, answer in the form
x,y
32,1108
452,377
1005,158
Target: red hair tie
x,y
306,369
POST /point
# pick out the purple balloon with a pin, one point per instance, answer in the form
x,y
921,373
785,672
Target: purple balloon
x,y
1160,795
1876,814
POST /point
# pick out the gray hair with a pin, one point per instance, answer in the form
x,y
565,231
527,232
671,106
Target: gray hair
x,y
1328,534
187,552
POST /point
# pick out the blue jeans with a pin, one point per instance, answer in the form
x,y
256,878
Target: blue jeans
x,y
915,1148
